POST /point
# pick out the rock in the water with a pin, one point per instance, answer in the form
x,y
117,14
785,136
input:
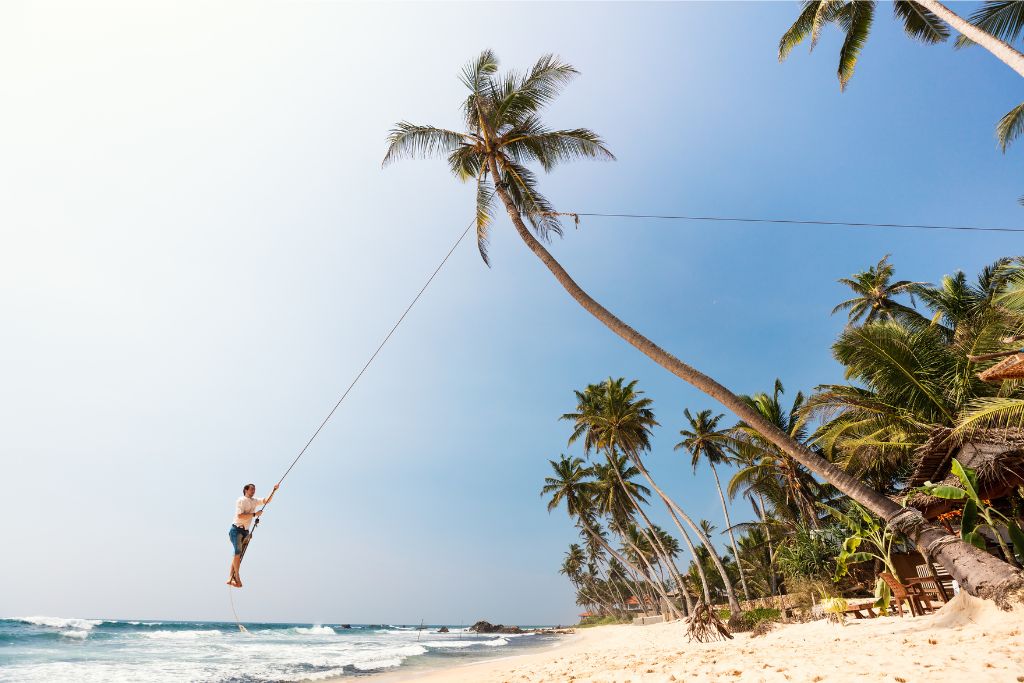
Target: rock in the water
x,y
487,627
443,629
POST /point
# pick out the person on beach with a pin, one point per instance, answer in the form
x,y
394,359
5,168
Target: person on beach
x,y
245,512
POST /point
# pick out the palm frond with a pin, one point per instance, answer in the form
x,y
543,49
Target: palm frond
x,y
409,141
856,19
800,29
1010,126
484,215
521,96
466,162
521,185
476,75
991,411
920,23
1003,19
827,12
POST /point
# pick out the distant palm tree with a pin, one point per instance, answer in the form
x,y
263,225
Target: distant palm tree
x,y
768,469
614,415
503,133
620,498
582,496
924,20
875,296
704,440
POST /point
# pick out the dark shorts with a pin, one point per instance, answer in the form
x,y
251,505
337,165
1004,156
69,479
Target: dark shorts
x,y
237,536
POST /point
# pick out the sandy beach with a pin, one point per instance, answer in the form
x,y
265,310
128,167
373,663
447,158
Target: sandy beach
x,y
967,638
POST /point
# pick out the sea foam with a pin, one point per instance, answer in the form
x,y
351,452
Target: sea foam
x,y
62,622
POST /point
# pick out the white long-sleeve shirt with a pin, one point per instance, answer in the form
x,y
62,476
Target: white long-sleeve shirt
x,y
246,506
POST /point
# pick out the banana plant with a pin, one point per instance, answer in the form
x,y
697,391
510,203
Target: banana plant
x,y
977,512
865,531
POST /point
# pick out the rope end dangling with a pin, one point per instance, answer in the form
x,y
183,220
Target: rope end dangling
x,y
575,216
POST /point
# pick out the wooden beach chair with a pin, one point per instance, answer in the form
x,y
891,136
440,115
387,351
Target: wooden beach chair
x,y
913,594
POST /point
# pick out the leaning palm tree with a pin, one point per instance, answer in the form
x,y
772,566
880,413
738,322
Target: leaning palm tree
x,y
875,294
614,415
572,485
504,132
925,20
705,441
1004,19
620,498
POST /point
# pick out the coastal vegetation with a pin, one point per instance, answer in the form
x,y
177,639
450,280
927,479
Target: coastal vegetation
x,y
899,395
911,352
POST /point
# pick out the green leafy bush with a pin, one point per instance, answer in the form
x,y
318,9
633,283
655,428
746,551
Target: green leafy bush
x,y
810,554
752,618
601,621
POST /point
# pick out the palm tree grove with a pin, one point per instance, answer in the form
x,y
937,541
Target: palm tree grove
x,y
914,457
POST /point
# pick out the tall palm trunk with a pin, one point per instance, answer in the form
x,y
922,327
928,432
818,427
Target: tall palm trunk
x,y
1002,50
977,571
625,562
613,589
652,536
773,583
652,575
730,592
693,551
650,581
800,494
732,536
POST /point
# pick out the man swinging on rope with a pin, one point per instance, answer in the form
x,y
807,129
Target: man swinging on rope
x,y
245,512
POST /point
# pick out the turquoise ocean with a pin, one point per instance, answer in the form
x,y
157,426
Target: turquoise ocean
x,y
64,649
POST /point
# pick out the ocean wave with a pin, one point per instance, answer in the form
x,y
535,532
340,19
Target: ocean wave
x,y
76,635
61,622
376,664
315,630
497,642
180,635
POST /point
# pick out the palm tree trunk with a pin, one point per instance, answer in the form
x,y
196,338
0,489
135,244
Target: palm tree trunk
x,y
732,536
613,590
730,592
773,583
652,576
623,560
693,551
652,536
1002,50
974,569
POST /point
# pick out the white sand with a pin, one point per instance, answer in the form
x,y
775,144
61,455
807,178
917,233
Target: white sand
x,y
967,641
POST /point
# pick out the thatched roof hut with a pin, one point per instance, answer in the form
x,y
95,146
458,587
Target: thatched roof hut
x,y
997,455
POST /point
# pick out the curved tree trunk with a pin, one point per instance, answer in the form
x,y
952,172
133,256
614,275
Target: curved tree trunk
x,y
693,551
730,592
613,590
652,536
974,569
732,536
773,584
639,553
1002,50
607,546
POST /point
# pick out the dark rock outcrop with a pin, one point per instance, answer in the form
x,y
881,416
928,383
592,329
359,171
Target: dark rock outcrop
x,y
443,629
487,627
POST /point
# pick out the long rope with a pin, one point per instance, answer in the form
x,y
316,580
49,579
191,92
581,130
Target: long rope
x,y
231,597
780,221
360,374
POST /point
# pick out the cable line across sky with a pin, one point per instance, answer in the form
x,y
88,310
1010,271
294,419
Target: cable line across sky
x,y
780,221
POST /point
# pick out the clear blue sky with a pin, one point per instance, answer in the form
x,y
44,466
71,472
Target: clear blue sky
x,y
200,249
